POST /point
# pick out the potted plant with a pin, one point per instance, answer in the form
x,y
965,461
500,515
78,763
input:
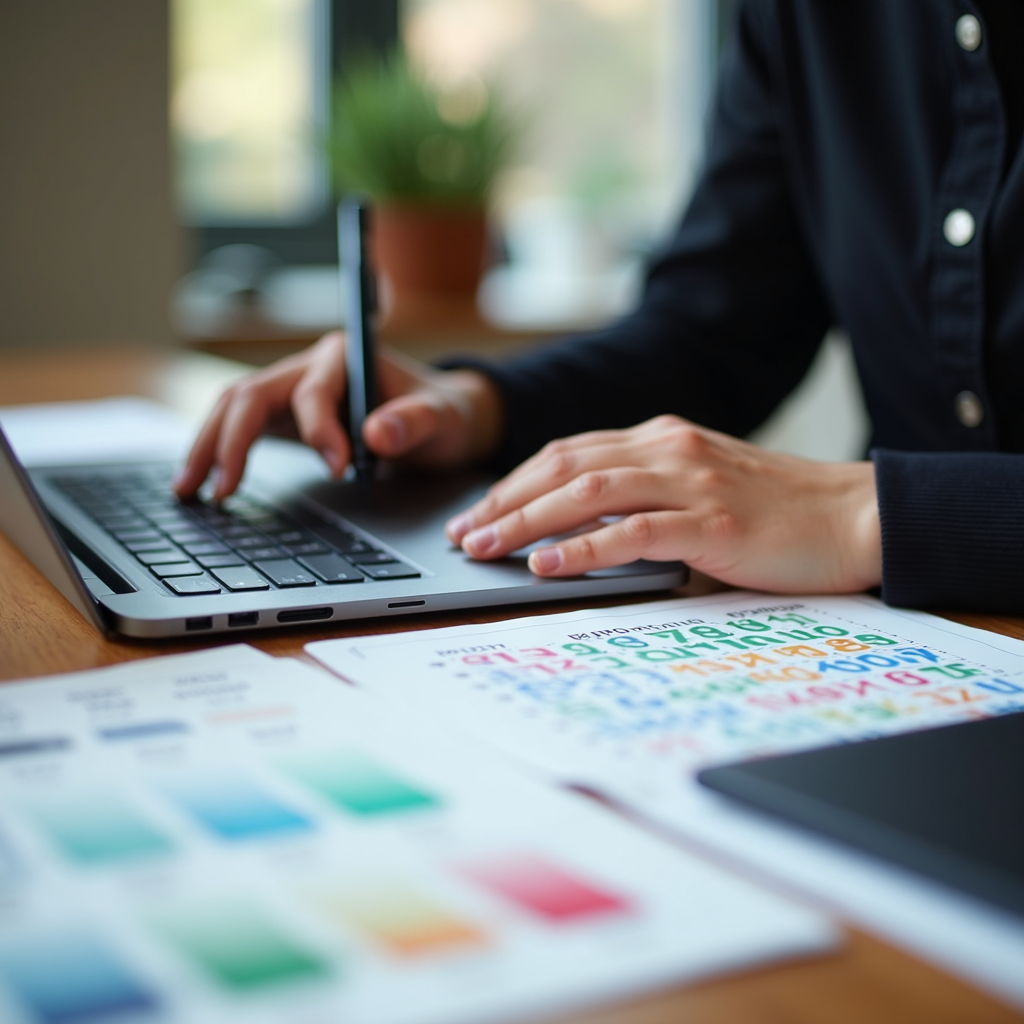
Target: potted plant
x,y
429,158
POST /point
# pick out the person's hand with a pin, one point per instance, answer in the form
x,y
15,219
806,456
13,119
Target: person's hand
x,y
733,511
431,418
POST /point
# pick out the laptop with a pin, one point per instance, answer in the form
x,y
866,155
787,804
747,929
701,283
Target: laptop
x,y
290,547
946,802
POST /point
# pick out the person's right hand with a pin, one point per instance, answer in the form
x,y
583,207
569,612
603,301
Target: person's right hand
x,y
431,418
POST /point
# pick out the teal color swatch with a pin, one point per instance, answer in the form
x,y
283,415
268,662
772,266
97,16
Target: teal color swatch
x,y
238,947
357,784
98,829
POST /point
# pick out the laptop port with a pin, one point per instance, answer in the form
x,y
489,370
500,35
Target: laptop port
x,y
406,604
200,622
305,614
238,619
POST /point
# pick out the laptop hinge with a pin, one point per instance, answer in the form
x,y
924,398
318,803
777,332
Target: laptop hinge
x,y
93,562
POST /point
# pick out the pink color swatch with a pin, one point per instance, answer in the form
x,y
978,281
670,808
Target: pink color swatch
x,y
541,887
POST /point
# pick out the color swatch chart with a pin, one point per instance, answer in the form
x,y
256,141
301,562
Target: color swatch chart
x,y
225,836
634,700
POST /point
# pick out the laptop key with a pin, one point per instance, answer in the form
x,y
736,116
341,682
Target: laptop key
x,y
370,557
193,585
345,542
253,541
171,515
218,561
175,569
290,536
240,577
137,547
286,573
124,536
391,571
237,530
262,554
309,547
121,522
207,547
209,515
190,536
164,555
332,568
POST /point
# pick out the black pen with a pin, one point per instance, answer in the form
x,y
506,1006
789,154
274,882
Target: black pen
x,y
358,288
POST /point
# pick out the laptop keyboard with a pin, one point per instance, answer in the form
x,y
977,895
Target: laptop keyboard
x,y
240,545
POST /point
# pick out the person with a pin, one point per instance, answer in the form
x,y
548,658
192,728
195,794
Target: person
x,y
863,169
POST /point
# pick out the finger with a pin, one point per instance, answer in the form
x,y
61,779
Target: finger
x,y
404,424
560,460
592,495
201,456
658,536
251,405
314,404
565,446
563,464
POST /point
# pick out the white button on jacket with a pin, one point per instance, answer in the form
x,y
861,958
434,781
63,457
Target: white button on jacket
x,y
969,410
958,227
968,32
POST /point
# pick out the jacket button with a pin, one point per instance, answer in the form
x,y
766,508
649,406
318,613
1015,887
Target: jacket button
x,y
968,32
969,410
958,227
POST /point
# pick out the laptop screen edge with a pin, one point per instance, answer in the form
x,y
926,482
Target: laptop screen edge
x,y
26,523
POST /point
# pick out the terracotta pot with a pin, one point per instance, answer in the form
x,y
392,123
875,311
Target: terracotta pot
x,y
430,249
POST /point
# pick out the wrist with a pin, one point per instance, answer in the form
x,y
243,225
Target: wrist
x,y
865,528
483,409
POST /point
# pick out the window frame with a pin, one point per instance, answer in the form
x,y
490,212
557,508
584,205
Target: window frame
x,y
355,27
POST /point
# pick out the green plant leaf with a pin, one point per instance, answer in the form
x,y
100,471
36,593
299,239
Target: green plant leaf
x,y
401,139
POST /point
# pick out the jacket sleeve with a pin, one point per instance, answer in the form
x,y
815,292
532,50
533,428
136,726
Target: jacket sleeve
x,y
952,529
732,311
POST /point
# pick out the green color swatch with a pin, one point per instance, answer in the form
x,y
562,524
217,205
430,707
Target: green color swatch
x,y
238,947
358,784
98,829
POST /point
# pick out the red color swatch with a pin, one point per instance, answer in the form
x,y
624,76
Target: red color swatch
x,y
541,887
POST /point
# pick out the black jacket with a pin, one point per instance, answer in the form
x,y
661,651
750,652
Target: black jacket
x,y
844,135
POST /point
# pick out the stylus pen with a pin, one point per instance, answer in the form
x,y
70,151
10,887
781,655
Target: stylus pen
x,y
358,288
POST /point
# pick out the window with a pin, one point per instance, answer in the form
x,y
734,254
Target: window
x,y
611,95
249,109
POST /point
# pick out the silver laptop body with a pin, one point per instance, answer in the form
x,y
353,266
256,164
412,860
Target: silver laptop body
x,y
83,529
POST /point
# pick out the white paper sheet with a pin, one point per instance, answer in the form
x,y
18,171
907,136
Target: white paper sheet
x,y
633,701
107,430
227,836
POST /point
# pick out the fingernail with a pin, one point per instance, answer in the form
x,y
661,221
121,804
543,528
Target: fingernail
x,y
394,431
332,460
459,526
546,560
479,542
177,480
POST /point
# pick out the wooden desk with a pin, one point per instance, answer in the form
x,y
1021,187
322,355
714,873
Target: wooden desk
x,y
867,980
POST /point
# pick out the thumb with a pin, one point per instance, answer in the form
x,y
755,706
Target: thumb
x,y
403,424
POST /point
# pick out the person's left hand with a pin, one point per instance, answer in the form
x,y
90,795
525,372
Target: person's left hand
x,y
738,513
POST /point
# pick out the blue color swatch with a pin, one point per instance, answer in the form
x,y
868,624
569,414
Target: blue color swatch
x,y
141,731
235,809
73,978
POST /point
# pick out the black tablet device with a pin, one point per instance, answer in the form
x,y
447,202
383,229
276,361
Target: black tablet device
x,y
946,802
